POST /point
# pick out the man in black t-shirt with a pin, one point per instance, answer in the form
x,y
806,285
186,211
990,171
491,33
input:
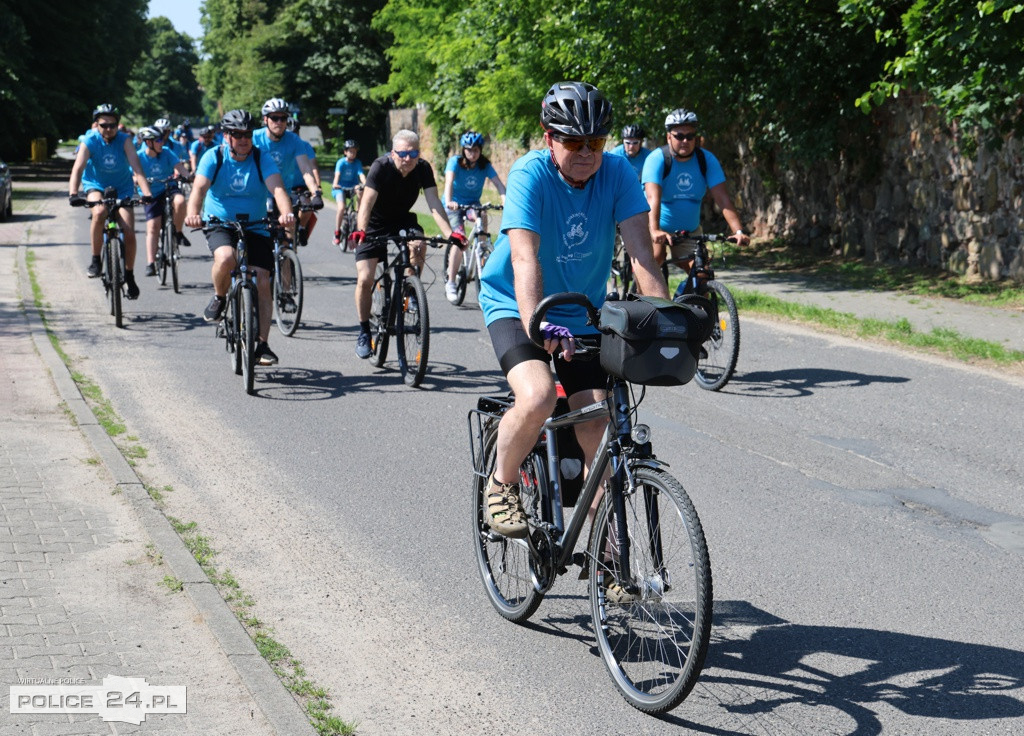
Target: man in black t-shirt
x,y
392,187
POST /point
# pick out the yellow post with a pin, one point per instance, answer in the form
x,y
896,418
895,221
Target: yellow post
x,y
39,150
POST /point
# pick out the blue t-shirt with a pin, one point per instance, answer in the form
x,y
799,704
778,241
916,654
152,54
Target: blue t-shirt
x,y
283,153
237,189
577,234
108,164
157,168
637,161
683,189
348,172
199,147
468,184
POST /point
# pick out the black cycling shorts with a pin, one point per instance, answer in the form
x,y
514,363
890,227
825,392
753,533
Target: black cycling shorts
x,y
366,251
259,247
513,346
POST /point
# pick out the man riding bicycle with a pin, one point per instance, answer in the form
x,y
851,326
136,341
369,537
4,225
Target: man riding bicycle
x,y
106,158
558,234
232,184
632,148
675,184
392,187
159,164
288,151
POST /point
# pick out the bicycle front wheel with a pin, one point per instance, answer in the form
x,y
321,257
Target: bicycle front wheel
x,y
379,317
174,255
413,331
116,279
163,253
482,254
653,620
723,347
247,341
288,292
230,325
504,563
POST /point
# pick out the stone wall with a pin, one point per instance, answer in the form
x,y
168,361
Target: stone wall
x,y
919,202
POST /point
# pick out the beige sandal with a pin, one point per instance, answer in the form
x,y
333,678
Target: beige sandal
x,y
505,513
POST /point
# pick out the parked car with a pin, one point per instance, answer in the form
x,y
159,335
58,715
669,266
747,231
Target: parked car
x,y
6,192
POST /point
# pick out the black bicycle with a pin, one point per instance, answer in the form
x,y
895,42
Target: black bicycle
x,y
621,281
167,251
240,324
287,276
112,255
721,351
398,307
478,249
351,197
647,559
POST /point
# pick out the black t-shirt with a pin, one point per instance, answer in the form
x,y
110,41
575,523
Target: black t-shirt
x,y
396,194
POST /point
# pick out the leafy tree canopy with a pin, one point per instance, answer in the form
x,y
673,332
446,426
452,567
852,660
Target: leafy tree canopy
x,y
163,81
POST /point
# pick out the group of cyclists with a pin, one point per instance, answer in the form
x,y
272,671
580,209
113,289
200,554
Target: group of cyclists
x,y
563,206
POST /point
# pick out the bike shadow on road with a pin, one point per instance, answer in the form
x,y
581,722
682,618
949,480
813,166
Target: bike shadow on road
x,y
792,383
285,383
455,378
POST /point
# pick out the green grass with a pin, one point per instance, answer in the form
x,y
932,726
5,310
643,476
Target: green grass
x,y
428,225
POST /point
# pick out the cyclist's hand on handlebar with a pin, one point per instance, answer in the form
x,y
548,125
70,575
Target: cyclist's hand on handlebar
x,y
357,237
285,219
317,201
76,200
453,205
558,339
457,238
146,199
660,237
195,221
740,238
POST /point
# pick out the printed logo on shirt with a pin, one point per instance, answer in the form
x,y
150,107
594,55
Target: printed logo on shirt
x,y
277,156
685,183
238,182
575,237
109,161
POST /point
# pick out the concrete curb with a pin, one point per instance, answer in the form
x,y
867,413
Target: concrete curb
x,y
282,711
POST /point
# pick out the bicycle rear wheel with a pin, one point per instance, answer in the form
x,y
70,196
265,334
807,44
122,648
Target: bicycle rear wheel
x,y
413,331
504,563
289,271
379,317
653,643
247,340
723,347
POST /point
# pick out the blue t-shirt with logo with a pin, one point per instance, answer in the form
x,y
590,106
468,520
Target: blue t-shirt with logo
x,y
237,189
108,164
348,172
577,234
199,147
157,168
468,184
637,161
283,153
683,189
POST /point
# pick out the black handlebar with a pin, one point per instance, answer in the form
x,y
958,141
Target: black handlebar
x,y
403,238
555,300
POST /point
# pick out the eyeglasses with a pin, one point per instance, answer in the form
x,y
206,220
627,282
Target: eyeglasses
x,y
414,153
239,133
684,136
277,118
107,126
575,144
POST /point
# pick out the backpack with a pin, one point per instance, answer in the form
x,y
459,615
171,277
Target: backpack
x,y
702,162
220,162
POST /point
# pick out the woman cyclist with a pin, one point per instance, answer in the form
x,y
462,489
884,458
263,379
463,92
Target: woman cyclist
x,y
464,178
348,174
158,164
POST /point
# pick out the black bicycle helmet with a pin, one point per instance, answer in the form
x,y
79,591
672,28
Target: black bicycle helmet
x,y
273,105
150,133
351,144
576,109
237,120
105,109
681,116
632,131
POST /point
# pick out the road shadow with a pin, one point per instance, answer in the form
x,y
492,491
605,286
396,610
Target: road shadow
x,y
455,378
24,217
163,321
797,382
285,383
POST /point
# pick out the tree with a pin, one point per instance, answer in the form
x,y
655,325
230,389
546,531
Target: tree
x,y
163,80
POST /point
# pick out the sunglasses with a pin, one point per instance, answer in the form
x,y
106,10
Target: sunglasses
x,y
277,118
414,153
575,144
684,136
107,126
631,143
239,133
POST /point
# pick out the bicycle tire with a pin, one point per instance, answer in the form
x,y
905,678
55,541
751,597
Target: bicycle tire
x,y
378,317
460,275
504,563
483,253
348,226
162,258
723,347
413,332
117,281
174,253
247,341
653,647
231,323
105,278
288,322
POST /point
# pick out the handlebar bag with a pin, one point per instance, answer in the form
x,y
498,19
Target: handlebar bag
x,y
653,341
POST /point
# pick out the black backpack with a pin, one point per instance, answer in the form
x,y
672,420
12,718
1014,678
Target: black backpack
x,y
702,162
220,162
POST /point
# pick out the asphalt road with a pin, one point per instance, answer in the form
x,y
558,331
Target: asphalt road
x,y
862,508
